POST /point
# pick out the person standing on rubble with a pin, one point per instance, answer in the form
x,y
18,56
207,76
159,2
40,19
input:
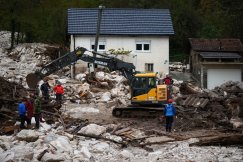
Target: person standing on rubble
x,y
22,114
169,113
45,89
29,108
59,90
168,80
37,110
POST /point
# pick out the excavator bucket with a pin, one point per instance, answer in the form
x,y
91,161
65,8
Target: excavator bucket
x,y
32,80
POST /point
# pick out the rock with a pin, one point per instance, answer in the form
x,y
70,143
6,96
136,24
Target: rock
x,y
85,152
62,144
237,122
27,135
101,147
111,103
104,84
100,75
7,156
50,137
92,129
82,88
62,81
175,89
79,112
22,152
48,157
240,85
125,154
122,101
106,97
78,158
80,77
153,156
114,92
120,79
4,145
45,127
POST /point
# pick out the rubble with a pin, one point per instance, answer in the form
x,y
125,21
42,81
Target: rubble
x,y
83,129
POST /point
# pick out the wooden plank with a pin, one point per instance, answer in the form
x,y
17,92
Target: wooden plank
x,y
194,103
186,101
199,102
223,140
8,129
205,102
190,102
122,130
125,133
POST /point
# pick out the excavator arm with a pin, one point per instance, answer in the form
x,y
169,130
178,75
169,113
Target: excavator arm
x,y
113,64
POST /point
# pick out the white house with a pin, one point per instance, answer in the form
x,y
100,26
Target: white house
x,y
144,32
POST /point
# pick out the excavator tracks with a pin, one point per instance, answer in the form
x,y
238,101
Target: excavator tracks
x,y
137,112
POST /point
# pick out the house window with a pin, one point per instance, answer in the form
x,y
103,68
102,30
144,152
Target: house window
x,y
101,45
149,67
143,46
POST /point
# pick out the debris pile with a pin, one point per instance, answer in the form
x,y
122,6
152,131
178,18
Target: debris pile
x,y
93,142
69,134
10,94
209,108
104,87
24,59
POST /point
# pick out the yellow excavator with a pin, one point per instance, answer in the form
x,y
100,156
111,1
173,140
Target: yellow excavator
x,y
147,97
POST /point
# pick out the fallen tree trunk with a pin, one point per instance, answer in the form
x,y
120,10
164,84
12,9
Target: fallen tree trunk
x,y
223,140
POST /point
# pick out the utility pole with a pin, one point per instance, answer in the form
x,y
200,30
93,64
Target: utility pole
x,y
101,7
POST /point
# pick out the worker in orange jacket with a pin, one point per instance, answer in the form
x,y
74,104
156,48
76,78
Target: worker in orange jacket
x,y
59,90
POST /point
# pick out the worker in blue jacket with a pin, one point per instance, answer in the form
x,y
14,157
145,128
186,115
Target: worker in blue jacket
x,y
169,113
22,114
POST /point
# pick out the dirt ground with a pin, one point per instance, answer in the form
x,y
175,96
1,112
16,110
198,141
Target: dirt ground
x,y
148,125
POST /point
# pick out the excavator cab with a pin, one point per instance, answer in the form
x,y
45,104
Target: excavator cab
x,y
146,91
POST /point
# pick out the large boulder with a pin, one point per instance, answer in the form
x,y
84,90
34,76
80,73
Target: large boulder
x,y
27,135
92,130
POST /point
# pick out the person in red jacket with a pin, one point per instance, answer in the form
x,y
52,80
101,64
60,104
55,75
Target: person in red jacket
x,y
168,80
59,90
29,108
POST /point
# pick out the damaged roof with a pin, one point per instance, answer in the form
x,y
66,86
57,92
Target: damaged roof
x,y
220,45
114,21
219,55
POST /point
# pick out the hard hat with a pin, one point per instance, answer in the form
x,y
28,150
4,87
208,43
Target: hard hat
x,y
170,100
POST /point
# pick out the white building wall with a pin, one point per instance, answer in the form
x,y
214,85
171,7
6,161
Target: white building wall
x,y
158,55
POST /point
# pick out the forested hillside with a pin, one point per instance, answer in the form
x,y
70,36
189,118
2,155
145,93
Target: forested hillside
x,y
45,20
